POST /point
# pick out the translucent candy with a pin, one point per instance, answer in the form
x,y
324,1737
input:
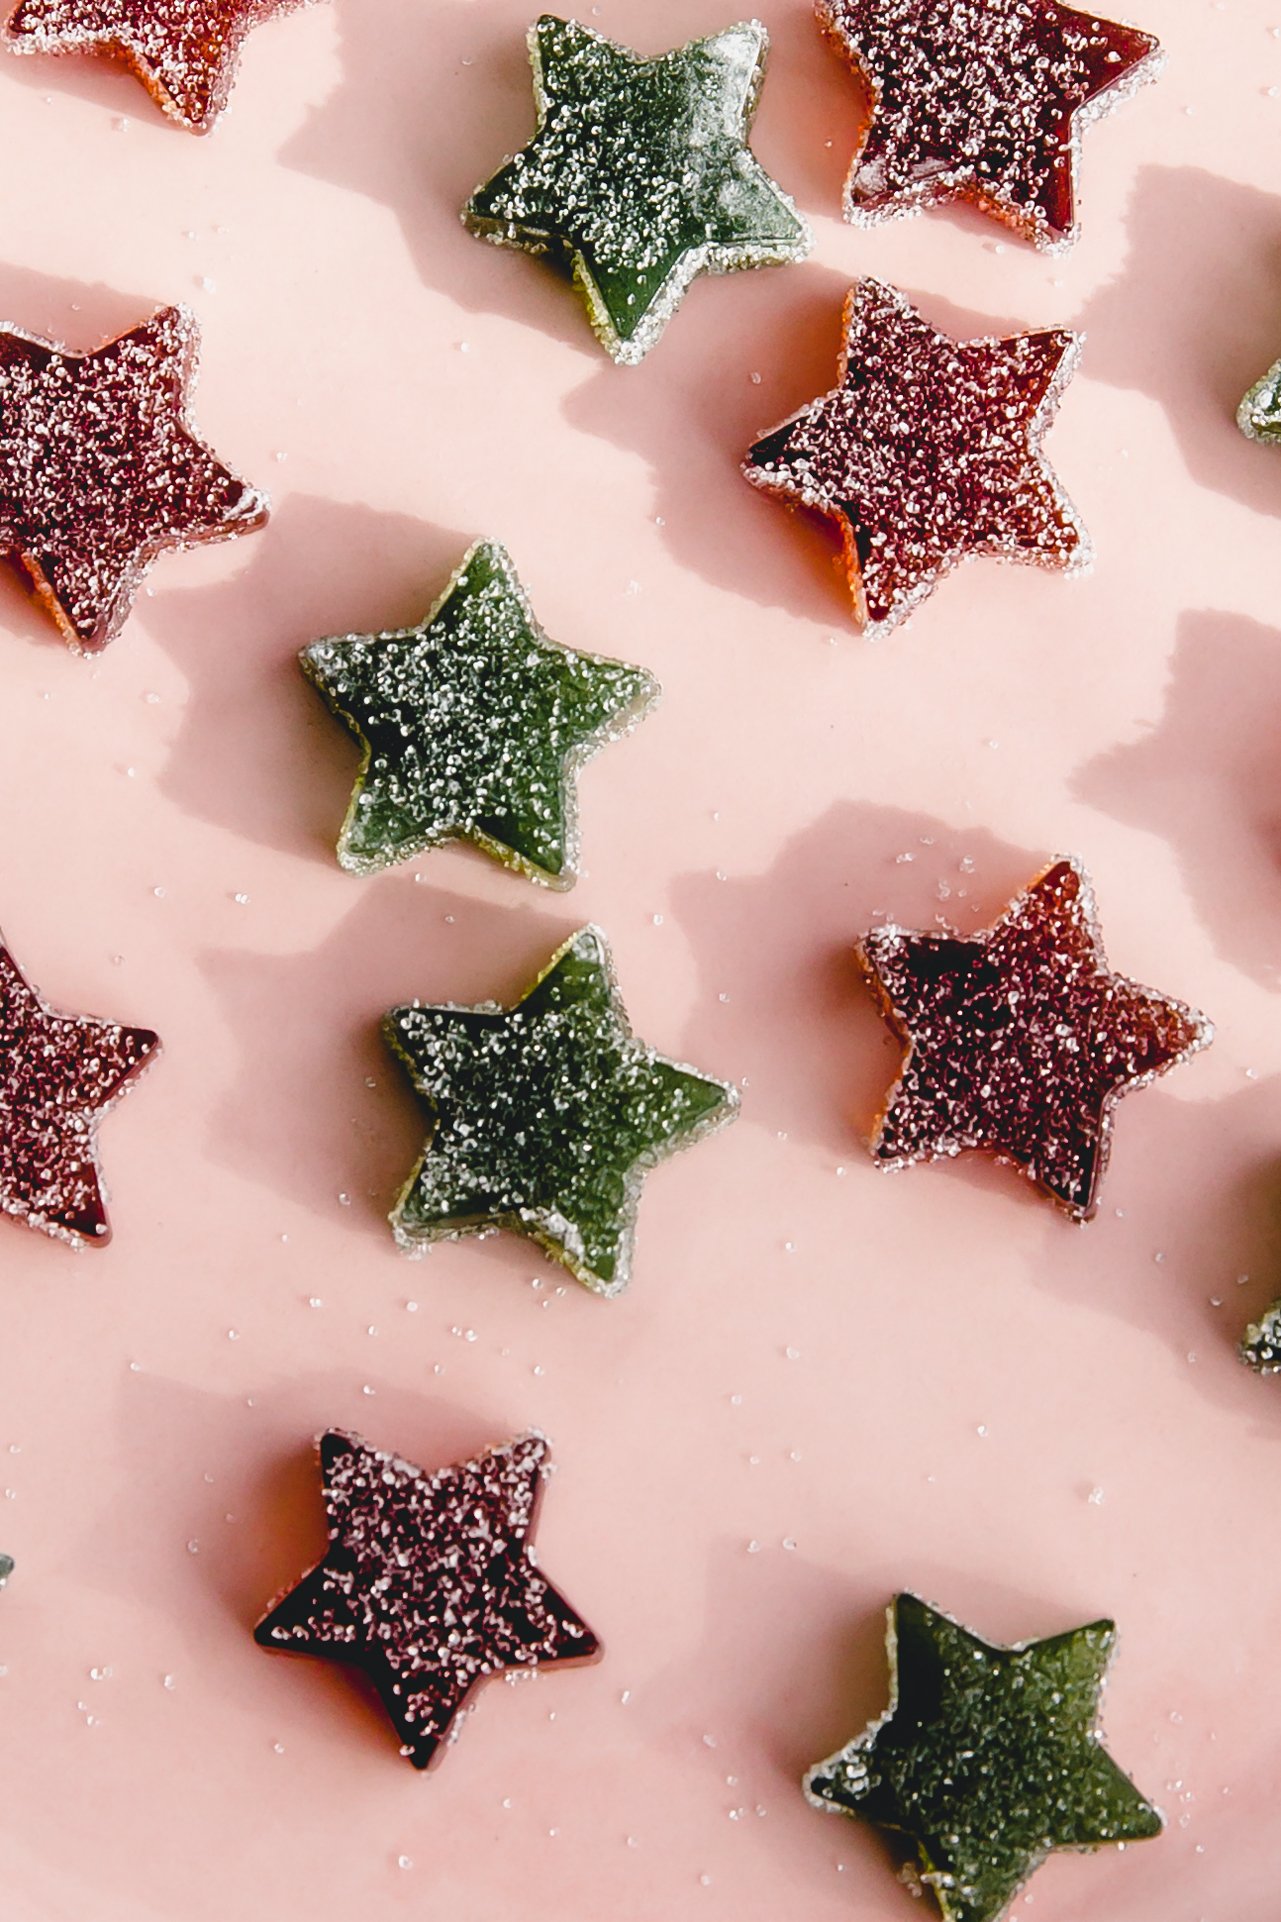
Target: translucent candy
x,y
983,100
1021,1039
59,1074
429,1584
1259,415
640,176
1261,1342
473,725
185,52
100,471
987,1758
547,1116
928,451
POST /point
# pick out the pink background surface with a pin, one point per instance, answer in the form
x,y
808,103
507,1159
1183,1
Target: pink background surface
x,y
968,1367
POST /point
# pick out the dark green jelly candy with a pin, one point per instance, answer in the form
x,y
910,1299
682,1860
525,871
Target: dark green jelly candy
x,y
639,176
547,1116
987,1758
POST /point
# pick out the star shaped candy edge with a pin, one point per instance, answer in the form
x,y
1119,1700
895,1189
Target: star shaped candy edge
x,y
625,719
428,1751
958,182
1039,421
120,46
587,938
252,513
852,1752
711,258
1203,1035
1259,415
148,1049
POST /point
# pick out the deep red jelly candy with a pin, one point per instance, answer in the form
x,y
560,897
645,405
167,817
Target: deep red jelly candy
x,y
1021,1039
59,1074
185,52
100,470
982,100
430,1582
929,450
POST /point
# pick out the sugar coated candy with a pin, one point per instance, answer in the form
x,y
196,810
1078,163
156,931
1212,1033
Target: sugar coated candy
x,y
100,470
1020,1039
1259,415
429,1584
982,100
59,1074
547,1116
640,176
929,450
473,725
1261,1342
185,52
986,1759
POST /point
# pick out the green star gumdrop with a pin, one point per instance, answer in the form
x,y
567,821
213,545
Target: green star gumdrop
x,y
987,1758
547,1116
1259,415
473,726
639,176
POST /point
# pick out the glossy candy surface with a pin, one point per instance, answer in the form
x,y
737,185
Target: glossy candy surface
x,y
100,470
547,1116
982,99
640,176
184,51
59,1074
472,725
929,450
1021,1039
987,1758
430,1583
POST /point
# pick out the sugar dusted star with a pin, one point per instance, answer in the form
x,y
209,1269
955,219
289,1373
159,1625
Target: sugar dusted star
x,y
429,1584
101,471
547,1116
927,452
982,100
987,1759
185,52
59,1075
640,176
473,726
1021,1039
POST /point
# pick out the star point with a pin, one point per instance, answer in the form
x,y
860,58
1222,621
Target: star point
x,y
101,470
639,176
473,726
547,1116
185,52
1021,1039
59,1075
429,1583
928,452
987,1759
982,100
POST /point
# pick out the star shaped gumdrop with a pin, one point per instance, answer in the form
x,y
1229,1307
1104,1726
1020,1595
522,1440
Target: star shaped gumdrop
x,y
185,52
1021,1039
987,1758
100,470
473,725
429,1583
640,176
1259,415
59,1074
982,100
928,451
547,1116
